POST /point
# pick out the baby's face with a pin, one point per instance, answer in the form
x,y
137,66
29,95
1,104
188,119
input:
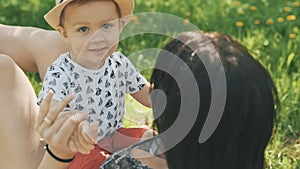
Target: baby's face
x,y
92,30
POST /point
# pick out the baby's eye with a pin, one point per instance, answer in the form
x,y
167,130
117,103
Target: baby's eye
x,y
107,26
83,29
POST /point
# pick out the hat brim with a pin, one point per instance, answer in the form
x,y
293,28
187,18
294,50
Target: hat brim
x,y
53,16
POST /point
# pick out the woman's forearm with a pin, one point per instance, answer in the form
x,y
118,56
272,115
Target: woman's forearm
x,y
50,163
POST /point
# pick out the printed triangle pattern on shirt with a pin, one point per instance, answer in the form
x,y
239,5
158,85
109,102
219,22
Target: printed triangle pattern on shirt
x,y
99,93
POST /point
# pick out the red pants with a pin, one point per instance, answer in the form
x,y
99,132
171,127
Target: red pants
x,y
124,137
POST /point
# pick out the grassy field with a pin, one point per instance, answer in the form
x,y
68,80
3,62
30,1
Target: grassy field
x,y
269,28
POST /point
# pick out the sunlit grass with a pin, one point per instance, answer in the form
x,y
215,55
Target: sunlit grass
x,y
136,114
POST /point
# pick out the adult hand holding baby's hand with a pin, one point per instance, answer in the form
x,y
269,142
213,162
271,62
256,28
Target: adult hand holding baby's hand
x,y
84,137
56,127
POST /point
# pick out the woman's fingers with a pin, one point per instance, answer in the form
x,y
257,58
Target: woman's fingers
x,y
49,132
49,109
81,147
58,106
44,108
67,129
57,127
59,140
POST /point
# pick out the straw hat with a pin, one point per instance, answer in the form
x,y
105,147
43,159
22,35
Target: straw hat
x,y
53,16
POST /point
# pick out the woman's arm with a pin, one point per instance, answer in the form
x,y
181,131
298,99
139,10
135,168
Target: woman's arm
x,y
49,162
33,49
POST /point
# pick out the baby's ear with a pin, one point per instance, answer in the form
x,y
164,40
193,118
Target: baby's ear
x,y
124,21
62,32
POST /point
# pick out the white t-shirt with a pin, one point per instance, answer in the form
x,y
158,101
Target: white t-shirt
x,y
99,93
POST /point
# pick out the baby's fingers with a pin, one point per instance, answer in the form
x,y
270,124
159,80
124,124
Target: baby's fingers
x,y
79,143
89,132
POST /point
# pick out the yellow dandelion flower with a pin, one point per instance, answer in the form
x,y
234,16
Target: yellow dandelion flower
x,y
280,19
256,22
237,3
287,9
187,14
253,8
239,24
296,4
291,17
269,21
186,21
241,11
293,36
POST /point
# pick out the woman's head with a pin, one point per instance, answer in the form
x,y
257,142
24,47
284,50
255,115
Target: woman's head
x,y
245,128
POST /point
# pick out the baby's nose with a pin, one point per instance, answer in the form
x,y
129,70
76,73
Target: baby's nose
x,y
97,37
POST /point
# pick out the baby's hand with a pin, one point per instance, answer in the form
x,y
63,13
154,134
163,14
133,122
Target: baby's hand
x,y
89,131
84,137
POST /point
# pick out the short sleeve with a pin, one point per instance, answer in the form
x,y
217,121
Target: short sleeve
x,y
56,80
134,80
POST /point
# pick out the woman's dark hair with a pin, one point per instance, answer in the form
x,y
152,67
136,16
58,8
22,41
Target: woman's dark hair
x,y
246,125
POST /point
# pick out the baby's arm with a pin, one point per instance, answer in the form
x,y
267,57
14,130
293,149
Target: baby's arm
x,y
143,95
138,87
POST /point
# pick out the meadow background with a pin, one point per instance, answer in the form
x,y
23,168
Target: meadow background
x,y
269,28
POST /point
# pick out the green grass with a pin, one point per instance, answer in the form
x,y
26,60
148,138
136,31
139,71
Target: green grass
x,y
269,28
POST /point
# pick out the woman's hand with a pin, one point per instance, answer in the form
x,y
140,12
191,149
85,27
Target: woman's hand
x,y
57,127
84,137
